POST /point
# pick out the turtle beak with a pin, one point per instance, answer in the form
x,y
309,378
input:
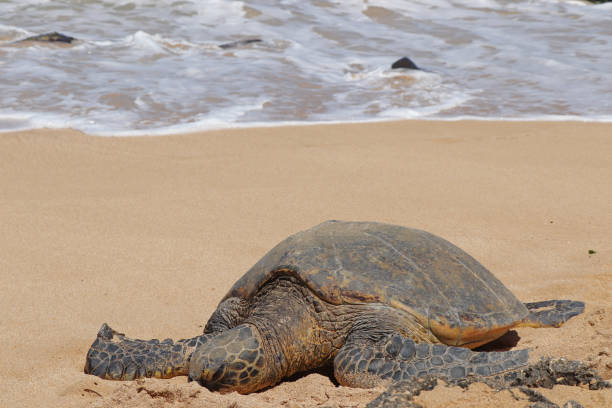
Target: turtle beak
x,y
209,377
205,371
196,365
190,379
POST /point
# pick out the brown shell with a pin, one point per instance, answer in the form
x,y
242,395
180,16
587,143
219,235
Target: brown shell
x,y
446,289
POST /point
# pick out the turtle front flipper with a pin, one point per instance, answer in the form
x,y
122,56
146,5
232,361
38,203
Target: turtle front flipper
x,y
396,358
115,357
551,313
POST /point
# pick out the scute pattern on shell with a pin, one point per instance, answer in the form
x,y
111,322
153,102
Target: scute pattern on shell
x,y
410,269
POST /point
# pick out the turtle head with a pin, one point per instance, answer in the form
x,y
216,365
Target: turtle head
x,y
233,360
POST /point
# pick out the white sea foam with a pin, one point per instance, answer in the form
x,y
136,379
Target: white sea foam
x,y
155,66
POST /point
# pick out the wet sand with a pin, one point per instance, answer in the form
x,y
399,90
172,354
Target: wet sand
x,y
148,234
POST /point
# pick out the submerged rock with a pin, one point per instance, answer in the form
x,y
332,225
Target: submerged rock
x,y
239,43
404,62
50,37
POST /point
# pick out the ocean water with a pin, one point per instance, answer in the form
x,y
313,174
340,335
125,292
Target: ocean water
x,y
156,66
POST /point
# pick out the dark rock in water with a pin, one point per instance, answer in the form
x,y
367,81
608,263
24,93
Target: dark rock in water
x,y
404,62
239,43
51,37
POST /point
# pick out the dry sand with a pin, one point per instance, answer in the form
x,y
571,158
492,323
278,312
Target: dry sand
x,y
147,234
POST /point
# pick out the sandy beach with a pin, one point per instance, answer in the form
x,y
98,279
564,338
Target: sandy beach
x,y
148,233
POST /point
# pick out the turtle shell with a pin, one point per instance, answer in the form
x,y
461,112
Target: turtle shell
x,y
443,287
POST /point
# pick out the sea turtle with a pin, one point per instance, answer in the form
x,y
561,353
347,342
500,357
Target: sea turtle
x,y
380,302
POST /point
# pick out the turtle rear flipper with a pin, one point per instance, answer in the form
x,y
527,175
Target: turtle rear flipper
x,y
113,356
396,358
551,313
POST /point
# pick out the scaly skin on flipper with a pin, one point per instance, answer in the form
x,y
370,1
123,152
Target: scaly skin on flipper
x,y
396,358
113,356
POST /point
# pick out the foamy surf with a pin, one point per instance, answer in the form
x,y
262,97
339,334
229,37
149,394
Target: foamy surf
x,y
142,67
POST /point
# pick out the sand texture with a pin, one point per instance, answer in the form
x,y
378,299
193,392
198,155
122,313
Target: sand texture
x,y
148,234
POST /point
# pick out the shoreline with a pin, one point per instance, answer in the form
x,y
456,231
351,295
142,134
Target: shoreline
x,y
148,233
178,130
